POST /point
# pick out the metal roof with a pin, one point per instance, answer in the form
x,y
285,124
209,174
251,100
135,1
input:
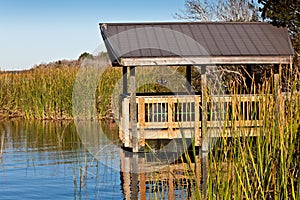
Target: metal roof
x,y
183,43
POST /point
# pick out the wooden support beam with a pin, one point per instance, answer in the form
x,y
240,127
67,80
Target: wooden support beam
x,y
278,93
133,111
170,117
125,91
125,122
204,60
276,79
205,141
121,125
197,119
141,123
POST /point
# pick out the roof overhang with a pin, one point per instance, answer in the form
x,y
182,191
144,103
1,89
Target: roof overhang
x,y
181,44
219,60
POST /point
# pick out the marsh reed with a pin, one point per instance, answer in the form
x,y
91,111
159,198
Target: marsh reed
x,y
266,166
261,167
40,93
45,92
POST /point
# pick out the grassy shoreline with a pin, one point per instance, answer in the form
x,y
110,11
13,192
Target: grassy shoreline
x,y
45,92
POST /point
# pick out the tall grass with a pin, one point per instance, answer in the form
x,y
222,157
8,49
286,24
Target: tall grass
x,y
266,166
42,93
105,88
262,167
45,92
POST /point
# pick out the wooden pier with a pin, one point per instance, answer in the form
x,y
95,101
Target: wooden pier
x,y
198,117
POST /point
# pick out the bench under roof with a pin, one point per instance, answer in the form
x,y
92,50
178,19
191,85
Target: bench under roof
x,y
196,43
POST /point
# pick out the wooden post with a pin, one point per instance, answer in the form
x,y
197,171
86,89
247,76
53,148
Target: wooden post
x,y
197,118
133,113
276,79
125,81
189,78
279,96
170,117
141,113
121,126
205,142
125,122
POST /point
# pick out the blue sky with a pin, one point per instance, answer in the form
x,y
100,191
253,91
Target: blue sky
x,y
41,31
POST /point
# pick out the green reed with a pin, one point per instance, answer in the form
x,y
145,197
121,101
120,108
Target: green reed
x,y
264,166
45,92
107,83
261,167
41,93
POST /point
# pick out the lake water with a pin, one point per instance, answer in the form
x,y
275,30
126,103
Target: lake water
x,y
52,160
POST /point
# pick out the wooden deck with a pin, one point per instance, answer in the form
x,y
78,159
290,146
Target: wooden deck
x,y
171,117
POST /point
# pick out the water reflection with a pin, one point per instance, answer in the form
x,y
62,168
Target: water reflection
x,y
48,160
145,177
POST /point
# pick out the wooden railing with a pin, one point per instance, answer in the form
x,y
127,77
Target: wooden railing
x,y
167,112
162,116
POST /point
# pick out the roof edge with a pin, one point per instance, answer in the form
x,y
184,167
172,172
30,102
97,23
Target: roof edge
x,y
101,24
208,60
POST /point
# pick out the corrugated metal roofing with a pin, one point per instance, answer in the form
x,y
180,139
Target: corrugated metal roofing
x,y
148,40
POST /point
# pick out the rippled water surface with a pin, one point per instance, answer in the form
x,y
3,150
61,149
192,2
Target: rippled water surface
x,y
46,160
64,160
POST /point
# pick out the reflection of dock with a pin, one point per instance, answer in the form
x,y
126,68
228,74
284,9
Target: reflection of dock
x,y
143,179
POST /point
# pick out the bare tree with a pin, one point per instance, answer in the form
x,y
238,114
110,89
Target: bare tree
x,y
224,10
219,10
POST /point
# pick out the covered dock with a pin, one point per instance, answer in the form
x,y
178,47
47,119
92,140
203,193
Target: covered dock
x,y
189,114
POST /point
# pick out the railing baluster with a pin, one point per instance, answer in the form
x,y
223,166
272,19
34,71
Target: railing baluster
x,y
156,112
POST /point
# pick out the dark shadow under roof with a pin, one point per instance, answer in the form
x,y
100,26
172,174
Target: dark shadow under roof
x,y
132,44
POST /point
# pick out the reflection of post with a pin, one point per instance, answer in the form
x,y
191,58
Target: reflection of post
x,y
136,174
204,173
142,179
125,173
171,186
198,171
135,177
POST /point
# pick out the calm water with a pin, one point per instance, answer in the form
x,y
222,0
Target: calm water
x,y
50,160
